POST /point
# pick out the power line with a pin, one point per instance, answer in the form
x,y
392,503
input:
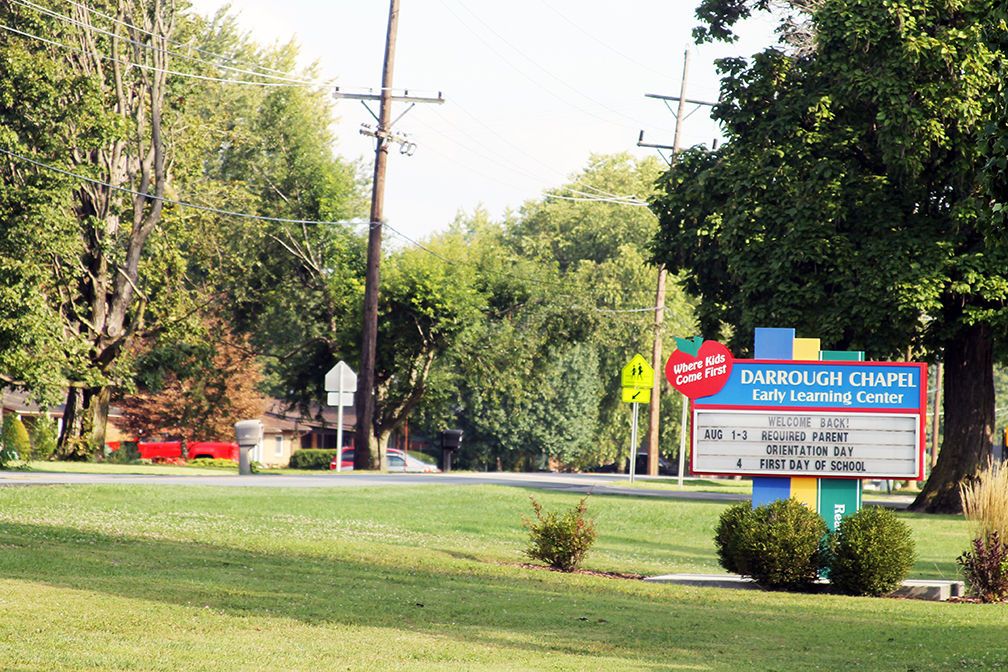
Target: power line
x,y
524,74
281,220
80,24
143,66
535,281
205,52
539,66
600,41
169,201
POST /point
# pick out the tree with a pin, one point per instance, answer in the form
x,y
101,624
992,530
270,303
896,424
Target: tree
x,y
540,381
102,114
429,302
196,390
853,200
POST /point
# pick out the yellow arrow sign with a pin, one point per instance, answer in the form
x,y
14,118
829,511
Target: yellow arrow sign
x,y
638,373
636,395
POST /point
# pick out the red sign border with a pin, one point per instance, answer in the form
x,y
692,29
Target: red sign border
x,y
921,412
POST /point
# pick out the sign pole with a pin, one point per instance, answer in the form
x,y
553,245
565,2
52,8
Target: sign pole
x,y
682,439
633,442
339,427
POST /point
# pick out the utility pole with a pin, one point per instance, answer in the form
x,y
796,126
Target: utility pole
x,y
365,400
654,407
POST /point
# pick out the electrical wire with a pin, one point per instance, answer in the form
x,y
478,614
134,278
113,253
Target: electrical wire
x,y
68,19
142,66
169,201
244,215
538,65
600,41
205,52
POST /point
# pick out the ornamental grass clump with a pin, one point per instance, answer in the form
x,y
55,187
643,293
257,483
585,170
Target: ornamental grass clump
x,y
561,540
872,552
985,504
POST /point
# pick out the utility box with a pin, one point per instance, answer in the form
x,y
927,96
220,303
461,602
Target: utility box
x,y
451,440
248,434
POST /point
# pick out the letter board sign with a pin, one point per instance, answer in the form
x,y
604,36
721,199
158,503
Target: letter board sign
x,y
804,418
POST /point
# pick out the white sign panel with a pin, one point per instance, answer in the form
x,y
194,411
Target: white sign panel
x,y
334,399
814,443
340,378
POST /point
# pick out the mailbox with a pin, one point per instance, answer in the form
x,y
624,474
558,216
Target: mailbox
x,y
248,434
451,440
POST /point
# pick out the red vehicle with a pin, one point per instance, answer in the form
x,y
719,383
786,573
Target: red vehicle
x,y
172,450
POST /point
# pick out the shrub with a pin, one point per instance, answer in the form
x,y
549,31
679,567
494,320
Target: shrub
x,y
559,540
871,553
726,537
312,458
15,438
213,462
779,545
43,436
127,453
985,568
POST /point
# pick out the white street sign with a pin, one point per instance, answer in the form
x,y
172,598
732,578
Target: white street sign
x,y
798,443
333,399
341,378
340,385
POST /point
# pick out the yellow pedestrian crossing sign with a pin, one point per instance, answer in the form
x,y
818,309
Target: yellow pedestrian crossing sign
x,y
638,373
636,395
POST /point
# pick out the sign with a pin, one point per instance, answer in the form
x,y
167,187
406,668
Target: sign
x,y
338,399
341,378
698,370
340,385
827,419
636,395
637,373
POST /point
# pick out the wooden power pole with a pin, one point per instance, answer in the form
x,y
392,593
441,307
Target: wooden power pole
x,y
365,399
654,407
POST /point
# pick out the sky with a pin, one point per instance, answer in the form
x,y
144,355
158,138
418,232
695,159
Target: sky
x,y
532,88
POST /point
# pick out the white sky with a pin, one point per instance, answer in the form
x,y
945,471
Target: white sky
x,y
532,87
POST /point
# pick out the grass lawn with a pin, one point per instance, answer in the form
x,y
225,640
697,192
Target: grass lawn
x,y
425,578
112,468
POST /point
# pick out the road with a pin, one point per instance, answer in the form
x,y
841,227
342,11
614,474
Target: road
x,y
599,484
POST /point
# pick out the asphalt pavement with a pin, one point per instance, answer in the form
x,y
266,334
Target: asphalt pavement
x,y
598,484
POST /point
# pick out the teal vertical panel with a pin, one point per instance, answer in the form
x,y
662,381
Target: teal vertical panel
x,y
838,498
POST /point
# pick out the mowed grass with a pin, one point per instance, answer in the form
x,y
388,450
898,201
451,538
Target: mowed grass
x,y
425,578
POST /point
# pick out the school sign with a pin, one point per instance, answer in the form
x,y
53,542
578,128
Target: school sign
x,y
827,419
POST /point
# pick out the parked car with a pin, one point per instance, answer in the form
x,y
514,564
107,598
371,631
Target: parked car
x,y
665,468
397,462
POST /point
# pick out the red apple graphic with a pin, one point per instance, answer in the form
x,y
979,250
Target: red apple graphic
x,y
698,370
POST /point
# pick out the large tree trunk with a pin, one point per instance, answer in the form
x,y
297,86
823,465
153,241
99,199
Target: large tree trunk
x,y
969,419
85,417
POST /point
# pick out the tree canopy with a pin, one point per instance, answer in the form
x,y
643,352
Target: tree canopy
x,y
855,197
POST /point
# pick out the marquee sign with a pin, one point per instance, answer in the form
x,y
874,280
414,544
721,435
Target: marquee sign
x,y
806,418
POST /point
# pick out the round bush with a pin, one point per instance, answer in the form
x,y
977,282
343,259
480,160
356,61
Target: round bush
x,y
726,537
15,438
871,553
780,545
